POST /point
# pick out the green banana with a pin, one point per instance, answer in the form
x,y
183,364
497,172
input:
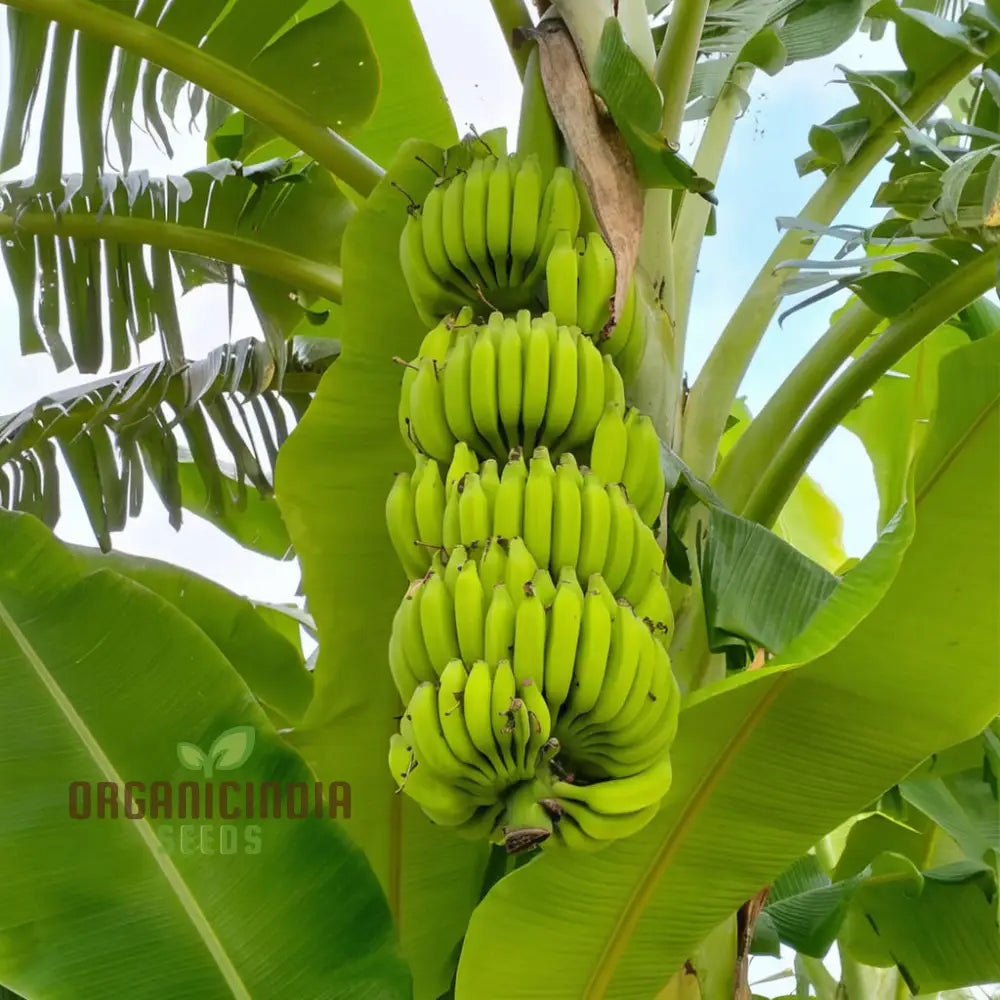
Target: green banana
x,y
499,213
567,515
596,285
595,532
427,413
528,661
524,216
470,614
538,495
561,276
562,637
562,385
403,530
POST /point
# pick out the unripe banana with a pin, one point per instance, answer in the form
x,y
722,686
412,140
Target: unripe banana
x,y
538,497
470,614
474,212
647,563
540,728
596,285
414,646
560,213
595,532
431,298
451,529
535,392
403,411
437,621
510,379
561,275
589,404
499,628
567,517
504,692
403,530
483,375
600,829
489,477
562,636
477,707
643,473
456,382
608,452
597,582
464,460
451,695
529,639
452,226
432,749
492,567
629,358
654,607
405,679
473,512
544,587
499,211
438,341
621,795
620,333
429,501
445,804
525,216
621,539
427,413
614,387
591,655
570,463
562,385
623,664
509,519
520,568
457,558
432,231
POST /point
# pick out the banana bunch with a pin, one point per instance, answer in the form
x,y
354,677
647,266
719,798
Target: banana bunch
x,y
511,383
562,514
493,672
485,234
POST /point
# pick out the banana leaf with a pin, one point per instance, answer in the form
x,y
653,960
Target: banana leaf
x,y
769,761
105,681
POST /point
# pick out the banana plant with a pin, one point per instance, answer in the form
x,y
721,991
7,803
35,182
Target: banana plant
x,y
466,415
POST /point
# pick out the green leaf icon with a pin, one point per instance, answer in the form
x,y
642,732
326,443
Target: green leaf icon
x,y
232,748
191,756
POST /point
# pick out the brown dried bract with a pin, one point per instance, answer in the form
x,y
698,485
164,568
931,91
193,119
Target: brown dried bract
x,y
603,160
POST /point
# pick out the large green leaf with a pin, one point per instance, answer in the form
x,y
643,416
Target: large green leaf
x,y
332,480
809,520
102,680
270,665
769,761
306,68
939,927
279,222
896,410
115,431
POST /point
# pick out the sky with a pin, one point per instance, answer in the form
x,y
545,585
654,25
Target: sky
x,y
758,184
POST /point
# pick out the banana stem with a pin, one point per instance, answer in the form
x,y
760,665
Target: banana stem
x,y
693,216
716,387
675,61
218,77
512,15
290,268
755,450
931,310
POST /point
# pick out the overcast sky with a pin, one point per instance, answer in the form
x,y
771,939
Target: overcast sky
x,y
758,184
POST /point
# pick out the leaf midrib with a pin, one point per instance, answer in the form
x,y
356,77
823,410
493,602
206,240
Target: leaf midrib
x,y
142,826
